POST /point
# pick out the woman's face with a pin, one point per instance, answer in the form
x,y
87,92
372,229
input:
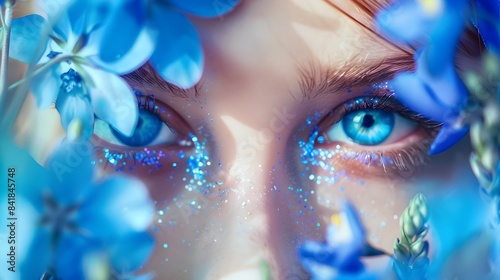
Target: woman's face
x,y
291,117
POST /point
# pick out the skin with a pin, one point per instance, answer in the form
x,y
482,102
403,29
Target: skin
x,y
254,57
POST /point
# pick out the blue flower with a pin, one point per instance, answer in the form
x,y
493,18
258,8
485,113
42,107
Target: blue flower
x,y
434,89
487,20
70,72
177,55
338,257
24,174
66,218
457,220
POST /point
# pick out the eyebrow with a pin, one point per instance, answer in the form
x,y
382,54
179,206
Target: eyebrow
x,y
147,79
315,81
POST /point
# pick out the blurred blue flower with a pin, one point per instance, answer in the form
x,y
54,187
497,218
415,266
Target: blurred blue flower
x,y
66,218
136,25
456,220
486,18
70,72
338,257
434,89
26,174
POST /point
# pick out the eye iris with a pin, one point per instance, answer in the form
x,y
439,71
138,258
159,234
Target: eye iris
x,y
368,127
147,129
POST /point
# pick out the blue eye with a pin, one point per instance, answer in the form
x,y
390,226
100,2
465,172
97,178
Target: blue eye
x,y
150,130
147,129
370,127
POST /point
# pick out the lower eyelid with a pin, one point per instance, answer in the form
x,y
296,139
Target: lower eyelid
x,y
391,163
142,160
403,156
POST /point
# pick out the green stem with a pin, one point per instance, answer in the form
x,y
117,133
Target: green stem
x,y
18,99
40,70
4,60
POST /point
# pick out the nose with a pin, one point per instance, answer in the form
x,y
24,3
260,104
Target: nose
x,y
260,230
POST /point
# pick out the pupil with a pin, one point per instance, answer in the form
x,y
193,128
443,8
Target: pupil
x,y
368,121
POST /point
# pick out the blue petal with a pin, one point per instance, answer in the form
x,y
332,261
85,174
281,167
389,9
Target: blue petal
x,y
490,34
26,37
347,239
70,171
455,219
444,86
322,262
437,97
11,156
488,13
85,16
117,207
122,30
443,40
113,100
131,252
135,57
205,8
404,21
410,90
71,253
36,261
72,106
495,252
318,252
447,137
45,87
178,57
53,7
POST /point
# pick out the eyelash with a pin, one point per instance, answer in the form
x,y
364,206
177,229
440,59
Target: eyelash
x,y
378,102
404,159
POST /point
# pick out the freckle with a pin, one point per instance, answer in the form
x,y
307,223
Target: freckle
x,y
395,217
382,224
165,245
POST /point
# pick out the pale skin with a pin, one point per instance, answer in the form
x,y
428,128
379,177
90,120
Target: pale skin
x,y
251,90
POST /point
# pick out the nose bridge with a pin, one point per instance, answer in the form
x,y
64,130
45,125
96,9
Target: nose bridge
x,y
257,176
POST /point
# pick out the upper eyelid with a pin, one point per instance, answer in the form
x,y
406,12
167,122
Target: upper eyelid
x,y
386,102
167,114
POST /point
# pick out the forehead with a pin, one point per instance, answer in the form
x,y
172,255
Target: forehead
x,y
276,39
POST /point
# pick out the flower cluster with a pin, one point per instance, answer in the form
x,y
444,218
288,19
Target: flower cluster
x,y
67,218
340,256
90,43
